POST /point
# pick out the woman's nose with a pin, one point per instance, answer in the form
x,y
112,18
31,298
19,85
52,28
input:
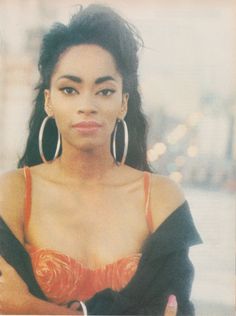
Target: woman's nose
x,y
86,104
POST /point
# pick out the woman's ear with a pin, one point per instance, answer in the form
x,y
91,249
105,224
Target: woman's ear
x,y
47,103
124,106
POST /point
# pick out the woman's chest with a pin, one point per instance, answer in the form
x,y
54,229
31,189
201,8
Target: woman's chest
x,y
97,229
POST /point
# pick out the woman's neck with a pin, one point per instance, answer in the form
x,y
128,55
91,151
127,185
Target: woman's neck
x,y
88,166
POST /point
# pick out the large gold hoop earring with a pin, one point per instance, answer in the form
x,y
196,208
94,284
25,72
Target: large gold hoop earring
x,y
41,131
126,142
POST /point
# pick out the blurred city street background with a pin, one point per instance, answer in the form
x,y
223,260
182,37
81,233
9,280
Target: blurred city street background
x,y
213,291
188,84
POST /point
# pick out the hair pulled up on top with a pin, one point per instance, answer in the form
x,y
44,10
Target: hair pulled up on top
x,y
100,25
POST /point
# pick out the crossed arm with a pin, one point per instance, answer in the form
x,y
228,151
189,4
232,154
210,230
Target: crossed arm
x,y
15,297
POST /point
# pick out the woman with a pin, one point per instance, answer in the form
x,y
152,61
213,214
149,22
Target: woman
x,y
97,225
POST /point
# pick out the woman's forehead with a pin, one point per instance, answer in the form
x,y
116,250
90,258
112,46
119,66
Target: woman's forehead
x,y
86,60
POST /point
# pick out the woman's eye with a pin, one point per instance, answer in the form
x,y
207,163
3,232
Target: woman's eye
x,y
68,90
106,92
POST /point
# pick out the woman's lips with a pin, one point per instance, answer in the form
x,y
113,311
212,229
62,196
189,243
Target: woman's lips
x,y
87,126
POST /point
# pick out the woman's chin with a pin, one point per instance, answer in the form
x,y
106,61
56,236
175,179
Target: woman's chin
x,y
88,147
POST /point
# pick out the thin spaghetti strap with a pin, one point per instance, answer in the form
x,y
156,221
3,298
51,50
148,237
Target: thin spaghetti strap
x,y
147,194
28,187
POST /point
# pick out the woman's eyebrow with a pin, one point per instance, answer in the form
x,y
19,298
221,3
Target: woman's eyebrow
x,y
103,79
71,77
79,80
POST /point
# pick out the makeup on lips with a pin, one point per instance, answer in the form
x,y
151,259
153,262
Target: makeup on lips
x,y
87,126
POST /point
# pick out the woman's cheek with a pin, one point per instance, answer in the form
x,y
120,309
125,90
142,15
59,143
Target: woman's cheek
x,y
62,123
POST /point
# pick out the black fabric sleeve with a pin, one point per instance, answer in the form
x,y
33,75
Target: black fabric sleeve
x,y
171,275
16,255
164,269
174,276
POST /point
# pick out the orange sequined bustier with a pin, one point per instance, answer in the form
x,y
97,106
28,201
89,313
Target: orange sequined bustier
x,y
63,279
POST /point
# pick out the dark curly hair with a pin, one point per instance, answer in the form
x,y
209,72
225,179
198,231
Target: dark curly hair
x,y
100,25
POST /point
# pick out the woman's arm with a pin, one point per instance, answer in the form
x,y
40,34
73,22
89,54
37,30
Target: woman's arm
x,y
164,268
166,196
38,307
15,297
12,193
174,271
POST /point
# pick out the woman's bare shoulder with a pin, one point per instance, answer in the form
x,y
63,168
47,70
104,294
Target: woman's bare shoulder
x,y
12,192
166,197
12,184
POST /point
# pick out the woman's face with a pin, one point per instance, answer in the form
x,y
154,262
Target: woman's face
x,y
85,96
